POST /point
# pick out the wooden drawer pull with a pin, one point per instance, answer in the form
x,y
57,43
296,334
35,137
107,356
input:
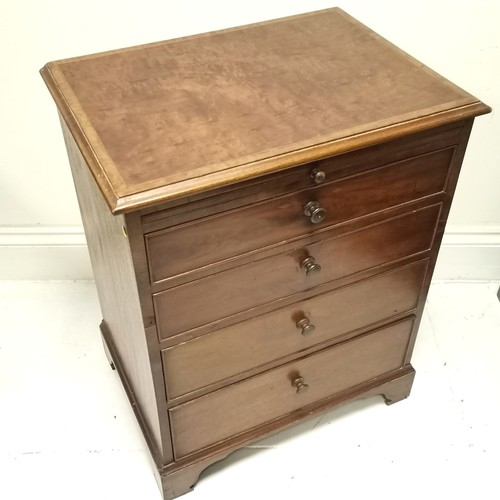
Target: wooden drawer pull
x,y
315,213
318,176
305,326
310,265
300,385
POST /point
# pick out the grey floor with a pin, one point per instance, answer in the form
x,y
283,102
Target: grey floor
x,y
67,432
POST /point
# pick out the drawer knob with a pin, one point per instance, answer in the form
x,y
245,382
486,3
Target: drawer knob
x,y
305,326
310,265
318,176
300,385
315,213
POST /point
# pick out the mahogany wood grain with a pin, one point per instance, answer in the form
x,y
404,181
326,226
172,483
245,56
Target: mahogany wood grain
x,y
117,289
335,93
175,212
202,148
233,350
180,477
197,244
218,296
443,217
262,398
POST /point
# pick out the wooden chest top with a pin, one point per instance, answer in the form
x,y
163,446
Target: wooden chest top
x,y
170,119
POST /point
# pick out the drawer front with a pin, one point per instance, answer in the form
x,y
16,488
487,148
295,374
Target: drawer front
x,y
240,407
239,289
259,189
180,249
233,350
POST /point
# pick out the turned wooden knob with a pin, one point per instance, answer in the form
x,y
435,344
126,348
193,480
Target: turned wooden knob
x,y
315,213
318,176
305,326
310,265
300,385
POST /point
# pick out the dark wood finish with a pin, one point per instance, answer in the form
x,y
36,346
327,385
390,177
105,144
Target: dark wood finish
x,y
116,286
448,197
393,387
196,244
233,350
268,396
175,212
221,295
223,303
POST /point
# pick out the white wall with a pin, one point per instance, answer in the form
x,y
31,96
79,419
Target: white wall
x,y
40,227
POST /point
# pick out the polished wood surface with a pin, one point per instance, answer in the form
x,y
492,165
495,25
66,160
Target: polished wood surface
x,y
233,350
221,295
181,477
154,122
116,286
176,212
265,397
202,166
198,244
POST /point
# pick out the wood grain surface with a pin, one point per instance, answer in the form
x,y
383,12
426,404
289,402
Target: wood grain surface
x,y
175,212
230,292
210,239
233,350
168,119
245,405
117,289
192,160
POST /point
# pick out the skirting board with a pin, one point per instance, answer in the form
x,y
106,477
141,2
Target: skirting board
x,y
468,253
44,253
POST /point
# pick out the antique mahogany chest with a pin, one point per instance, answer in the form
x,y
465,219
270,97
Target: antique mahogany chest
x,y
263,209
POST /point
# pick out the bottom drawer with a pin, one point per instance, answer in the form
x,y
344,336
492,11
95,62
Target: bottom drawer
x,y
238,408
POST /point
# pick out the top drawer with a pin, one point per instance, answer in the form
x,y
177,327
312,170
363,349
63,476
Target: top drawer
x,y
196,244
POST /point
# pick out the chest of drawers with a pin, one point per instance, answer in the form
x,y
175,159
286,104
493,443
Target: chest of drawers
x,y
263,208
